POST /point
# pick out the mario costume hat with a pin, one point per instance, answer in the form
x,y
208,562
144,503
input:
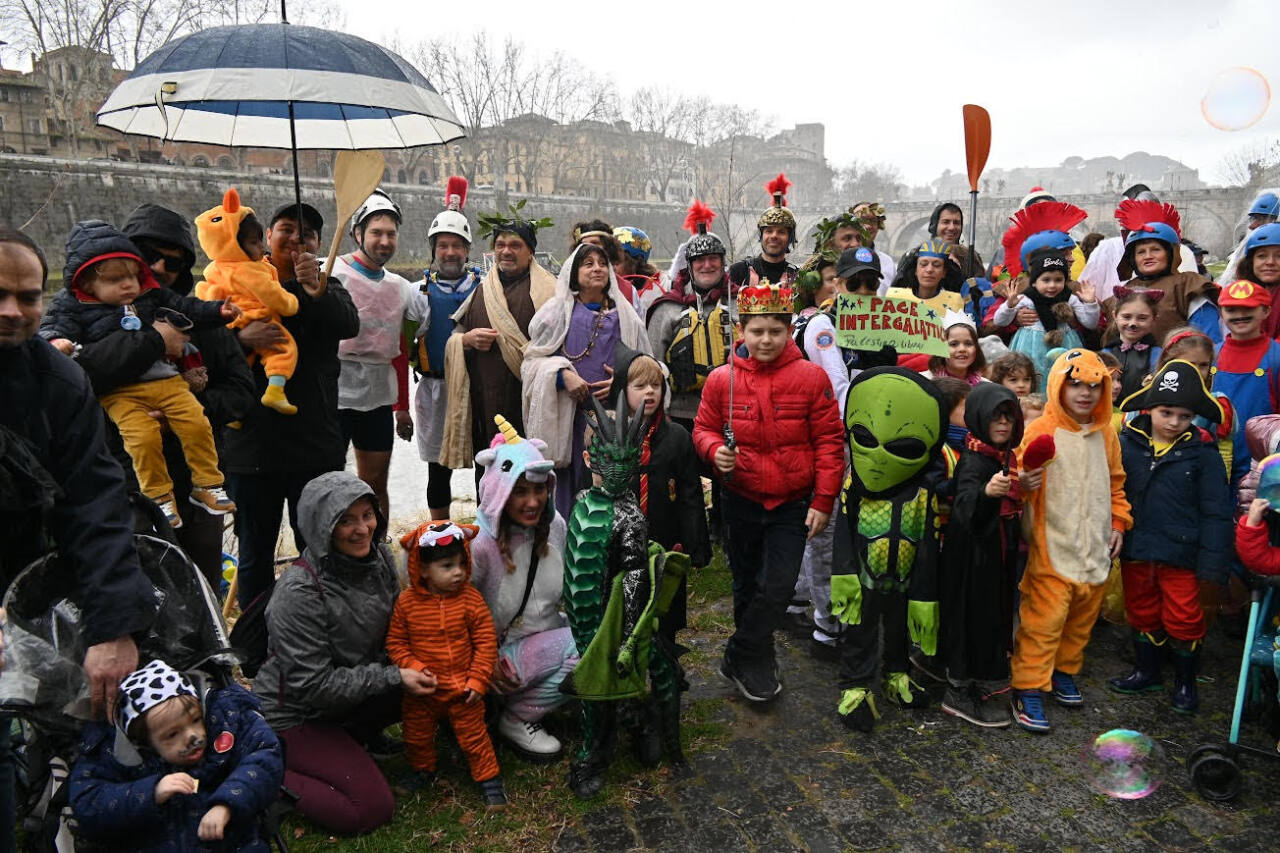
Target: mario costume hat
x,y
855,260
1179,384
1243,294
765,298
147,687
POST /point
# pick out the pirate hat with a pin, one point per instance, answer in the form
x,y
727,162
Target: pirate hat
x,y
1178,383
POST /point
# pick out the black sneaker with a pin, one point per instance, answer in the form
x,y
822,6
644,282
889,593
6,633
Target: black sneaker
x,y
755,683
962,702
495,798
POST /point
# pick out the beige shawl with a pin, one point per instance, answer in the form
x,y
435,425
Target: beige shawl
x,y
455,445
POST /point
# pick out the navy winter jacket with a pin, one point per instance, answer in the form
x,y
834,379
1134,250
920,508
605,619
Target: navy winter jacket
x,y
1181,502
46,399
242,768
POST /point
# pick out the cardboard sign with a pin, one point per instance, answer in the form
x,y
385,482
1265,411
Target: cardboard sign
x,y
904,323
945,300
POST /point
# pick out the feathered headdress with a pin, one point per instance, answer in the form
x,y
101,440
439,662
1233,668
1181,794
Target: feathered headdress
x,y
703,242
455,193
1040,226
778,189
1136,215
777,213
699,217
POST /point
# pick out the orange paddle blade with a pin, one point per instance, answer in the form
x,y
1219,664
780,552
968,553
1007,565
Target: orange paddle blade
x,y
977,141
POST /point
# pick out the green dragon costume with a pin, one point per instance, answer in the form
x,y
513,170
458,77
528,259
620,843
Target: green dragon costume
x,y
895,424
616,585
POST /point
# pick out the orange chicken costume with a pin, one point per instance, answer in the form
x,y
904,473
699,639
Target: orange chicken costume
x,y
1067,523
451,637
253,285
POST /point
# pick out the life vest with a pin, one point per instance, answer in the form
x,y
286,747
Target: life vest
x,y
699,346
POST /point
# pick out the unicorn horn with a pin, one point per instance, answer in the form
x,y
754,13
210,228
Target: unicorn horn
x,y
509,434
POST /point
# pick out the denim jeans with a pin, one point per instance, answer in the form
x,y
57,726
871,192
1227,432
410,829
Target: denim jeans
x,y
765,547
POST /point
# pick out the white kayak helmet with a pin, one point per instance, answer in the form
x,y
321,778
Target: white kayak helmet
x,y
451,220
377,202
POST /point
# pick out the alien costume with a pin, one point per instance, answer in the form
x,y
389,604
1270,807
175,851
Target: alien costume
x,y
616,585
894,420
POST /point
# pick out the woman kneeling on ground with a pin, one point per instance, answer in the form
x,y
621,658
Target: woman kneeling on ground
x,y
517,564
327,687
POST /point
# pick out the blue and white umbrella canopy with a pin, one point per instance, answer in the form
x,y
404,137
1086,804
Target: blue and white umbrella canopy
x,y
233,86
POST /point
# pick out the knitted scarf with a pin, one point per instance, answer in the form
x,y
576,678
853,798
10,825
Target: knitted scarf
x,y
1010,504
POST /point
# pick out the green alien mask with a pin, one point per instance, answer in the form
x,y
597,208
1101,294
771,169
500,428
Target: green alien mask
x,y
894,421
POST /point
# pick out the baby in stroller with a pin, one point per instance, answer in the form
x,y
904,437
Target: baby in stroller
x,y
186,763
43,685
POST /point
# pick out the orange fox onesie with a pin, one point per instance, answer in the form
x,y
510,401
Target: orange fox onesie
x,y
1067,523
450,636
253,285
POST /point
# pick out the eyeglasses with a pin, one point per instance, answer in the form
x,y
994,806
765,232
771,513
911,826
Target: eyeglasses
x,y
172,263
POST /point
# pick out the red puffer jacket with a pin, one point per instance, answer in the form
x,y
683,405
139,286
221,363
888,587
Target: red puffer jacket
x,y
790,437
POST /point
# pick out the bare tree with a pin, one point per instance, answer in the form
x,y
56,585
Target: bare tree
x,y
860,181
515,107
1252,166
663,123
115,32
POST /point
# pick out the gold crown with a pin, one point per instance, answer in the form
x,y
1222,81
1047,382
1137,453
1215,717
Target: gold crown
x,y
765,298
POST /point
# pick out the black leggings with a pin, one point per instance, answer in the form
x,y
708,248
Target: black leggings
x,y
439,493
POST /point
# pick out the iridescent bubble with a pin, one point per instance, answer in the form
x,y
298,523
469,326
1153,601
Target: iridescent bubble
x,y
1236,98
1123,764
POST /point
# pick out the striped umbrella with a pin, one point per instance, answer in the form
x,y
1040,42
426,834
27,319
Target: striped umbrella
x,y
280,86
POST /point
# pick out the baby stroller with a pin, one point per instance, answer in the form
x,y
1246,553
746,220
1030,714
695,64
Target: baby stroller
x,y
1215,767
43,685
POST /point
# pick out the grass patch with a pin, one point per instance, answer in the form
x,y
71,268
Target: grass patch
x,y
450,817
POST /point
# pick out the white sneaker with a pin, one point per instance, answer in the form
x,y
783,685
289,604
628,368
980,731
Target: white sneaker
x,y
528,737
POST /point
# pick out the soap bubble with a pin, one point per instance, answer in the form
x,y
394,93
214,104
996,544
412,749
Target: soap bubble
x,y
1236,98
1123,764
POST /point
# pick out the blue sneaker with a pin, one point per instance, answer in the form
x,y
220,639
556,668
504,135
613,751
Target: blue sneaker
x,y
1065,691
1028,710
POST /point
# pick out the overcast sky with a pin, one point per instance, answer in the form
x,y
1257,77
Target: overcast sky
x,y
1075,77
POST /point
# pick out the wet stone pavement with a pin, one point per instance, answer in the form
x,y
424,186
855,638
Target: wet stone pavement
x,y
790,777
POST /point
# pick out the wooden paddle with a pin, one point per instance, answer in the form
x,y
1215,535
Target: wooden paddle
x,y
355,175
977,142
977,145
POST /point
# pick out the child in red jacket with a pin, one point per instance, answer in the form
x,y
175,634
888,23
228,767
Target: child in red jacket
x,y
442,627
1255,539
780,458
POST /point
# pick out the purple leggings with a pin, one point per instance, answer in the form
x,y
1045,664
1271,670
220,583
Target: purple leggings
x,y
338,785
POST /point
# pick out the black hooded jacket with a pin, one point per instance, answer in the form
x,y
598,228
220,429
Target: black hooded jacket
x,y
980,555
677,509
156,224
80,318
